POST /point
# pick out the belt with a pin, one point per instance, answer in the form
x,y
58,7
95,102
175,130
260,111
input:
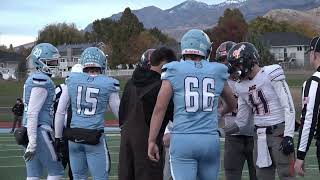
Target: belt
x,y
269,129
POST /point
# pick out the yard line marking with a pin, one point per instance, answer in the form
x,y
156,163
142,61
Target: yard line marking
x,y
11,150
12,166
6,137
9,145
6,157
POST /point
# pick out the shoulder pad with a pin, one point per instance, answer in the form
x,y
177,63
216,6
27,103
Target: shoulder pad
x,y
116,84
169,69
274,72
40,79
110,83
169,66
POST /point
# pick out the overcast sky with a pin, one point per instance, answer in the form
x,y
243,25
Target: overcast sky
x,y
20,20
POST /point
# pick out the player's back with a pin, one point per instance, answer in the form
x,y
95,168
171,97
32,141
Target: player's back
x,y
89,99
40,80
196,90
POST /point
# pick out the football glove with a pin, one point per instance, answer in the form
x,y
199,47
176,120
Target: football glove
x,y
30,152
286,145
59,147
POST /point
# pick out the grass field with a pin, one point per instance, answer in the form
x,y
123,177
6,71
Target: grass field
x,y
12,166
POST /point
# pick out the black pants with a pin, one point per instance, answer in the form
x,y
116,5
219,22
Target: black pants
x,y
17,119
134,163
238,149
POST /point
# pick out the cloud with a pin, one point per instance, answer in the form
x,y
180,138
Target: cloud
x,y
15,40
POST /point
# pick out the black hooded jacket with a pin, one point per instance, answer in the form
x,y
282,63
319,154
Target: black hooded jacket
x,y
147,83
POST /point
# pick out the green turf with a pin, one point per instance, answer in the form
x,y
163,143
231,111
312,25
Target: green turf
x,y
12,166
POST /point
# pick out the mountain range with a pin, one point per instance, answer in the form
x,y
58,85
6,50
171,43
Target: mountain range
x,y
309,17
194,14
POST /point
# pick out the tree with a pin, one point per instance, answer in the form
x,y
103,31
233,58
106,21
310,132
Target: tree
x,y
3,48
127,39
11,48
231,27
130,23
22,66
262,25
266,58
143,41
61,33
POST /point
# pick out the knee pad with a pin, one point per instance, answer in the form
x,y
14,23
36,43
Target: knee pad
x,y
33,178
54,177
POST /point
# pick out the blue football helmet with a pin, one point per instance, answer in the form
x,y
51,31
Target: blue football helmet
x,y
196,42
43,56
93,57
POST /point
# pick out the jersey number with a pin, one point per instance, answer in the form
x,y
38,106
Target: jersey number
x,y
256,98
90,97
193,94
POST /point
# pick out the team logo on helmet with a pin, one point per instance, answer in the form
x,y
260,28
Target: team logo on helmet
x,y
236,53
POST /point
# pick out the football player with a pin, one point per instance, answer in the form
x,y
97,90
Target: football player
x,y
39,95
196,85
265,92
238,147
90,93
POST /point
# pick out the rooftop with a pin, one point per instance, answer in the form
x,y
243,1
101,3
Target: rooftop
x,y
285,39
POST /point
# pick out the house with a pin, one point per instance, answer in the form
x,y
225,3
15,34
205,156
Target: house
x,y
9,63
19,49
287,47
70,55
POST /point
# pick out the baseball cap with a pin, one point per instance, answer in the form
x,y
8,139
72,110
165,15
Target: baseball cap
x,y
314,45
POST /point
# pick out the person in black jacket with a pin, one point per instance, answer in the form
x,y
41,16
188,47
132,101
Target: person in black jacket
x,y
17,110
135,111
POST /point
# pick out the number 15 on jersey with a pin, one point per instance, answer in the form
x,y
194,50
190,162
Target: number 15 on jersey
x,y
196,98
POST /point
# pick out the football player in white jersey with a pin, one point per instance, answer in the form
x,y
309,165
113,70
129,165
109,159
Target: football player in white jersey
x,y
238,147
264,91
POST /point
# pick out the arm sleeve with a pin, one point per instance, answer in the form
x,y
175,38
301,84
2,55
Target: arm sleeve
x,y
283,92
61,112
36,101
309,115
114,103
